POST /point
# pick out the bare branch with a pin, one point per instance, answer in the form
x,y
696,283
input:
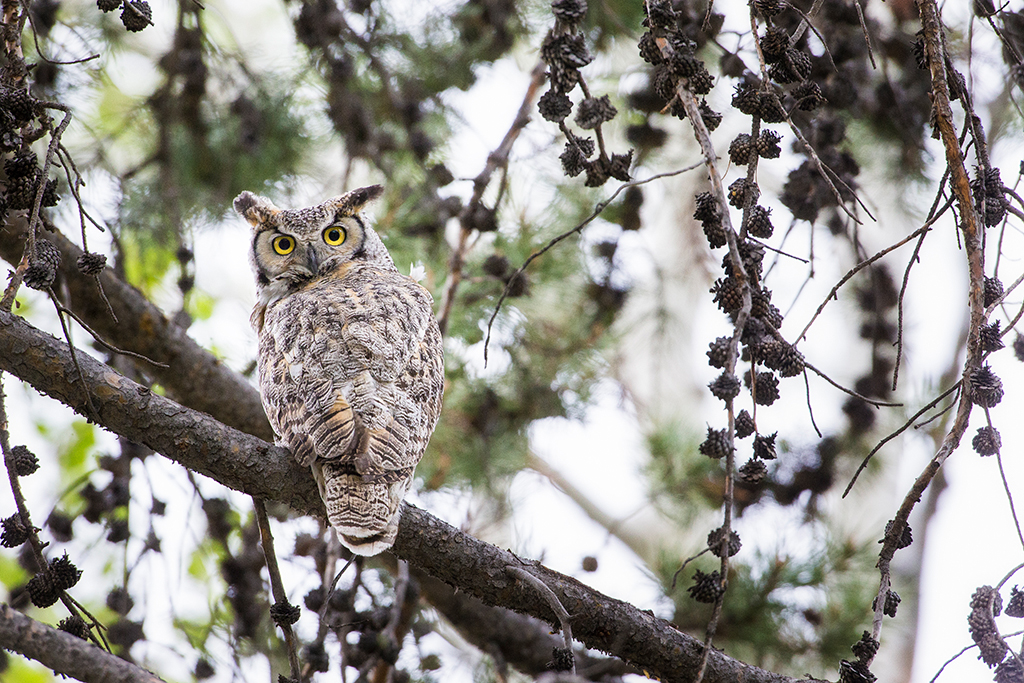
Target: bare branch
x,y
64,653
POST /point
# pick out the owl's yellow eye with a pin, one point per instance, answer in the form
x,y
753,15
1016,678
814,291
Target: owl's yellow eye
x,y
283,245
334,235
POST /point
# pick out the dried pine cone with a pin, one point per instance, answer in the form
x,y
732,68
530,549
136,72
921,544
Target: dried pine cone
x,y
808,96
766,386
759,223
985,606
718,352
716,445
753,471
42,270
728,294
744,424
685,64
1009,671
1015,607
988,189
764,446
782,357
892,601
50,196
726,386
554,105
742,192
660,14
136,15
768,144
993,290
715,542
284,613
25,461
990,337
593,111
865,648
1018,348
91,263
706,587
18,103
794,66
742,149
746,99
855,672
906,538
707,208
709,116
42,591
715,233
768,8
21,192
769,108
562,659
75,625
14,532
987,441
64,573
22,165
108,5
774,44
569,12
701,82
985,387
649,50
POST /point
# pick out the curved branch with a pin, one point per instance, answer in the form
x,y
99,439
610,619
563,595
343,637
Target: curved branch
x,y
238,460
245,463
64,653
142,328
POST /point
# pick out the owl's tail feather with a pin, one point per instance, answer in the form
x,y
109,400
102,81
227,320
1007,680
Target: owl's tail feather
x,y
365,514
370,545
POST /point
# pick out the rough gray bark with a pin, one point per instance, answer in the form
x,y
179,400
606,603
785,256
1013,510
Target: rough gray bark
x,y
142,328
247,464
64,653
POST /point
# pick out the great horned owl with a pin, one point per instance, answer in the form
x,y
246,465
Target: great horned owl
x,y
351,366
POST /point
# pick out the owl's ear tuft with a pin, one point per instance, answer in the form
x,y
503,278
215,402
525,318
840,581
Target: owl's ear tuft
x,y
352,201
254,208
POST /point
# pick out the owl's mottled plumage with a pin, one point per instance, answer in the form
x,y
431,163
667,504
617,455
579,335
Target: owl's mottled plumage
x,y
350,358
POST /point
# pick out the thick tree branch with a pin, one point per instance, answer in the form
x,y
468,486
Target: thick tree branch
x,y
64,653
142,328
245,463
197,441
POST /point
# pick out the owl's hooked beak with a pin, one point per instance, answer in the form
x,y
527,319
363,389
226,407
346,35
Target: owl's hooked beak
x,y
312,261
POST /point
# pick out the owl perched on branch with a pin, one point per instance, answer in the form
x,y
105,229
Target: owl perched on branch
x,y
351,365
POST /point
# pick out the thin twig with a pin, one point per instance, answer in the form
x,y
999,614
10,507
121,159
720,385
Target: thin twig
x,y
965,650
276,585
93,414
856,269
824,171
893,435
102,342
601,206
851,392
556,607
496,159
810,410
1009,496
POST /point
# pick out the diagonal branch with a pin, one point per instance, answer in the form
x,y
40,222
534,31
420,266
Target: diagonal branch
x,y
247,464
64,653
142,328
